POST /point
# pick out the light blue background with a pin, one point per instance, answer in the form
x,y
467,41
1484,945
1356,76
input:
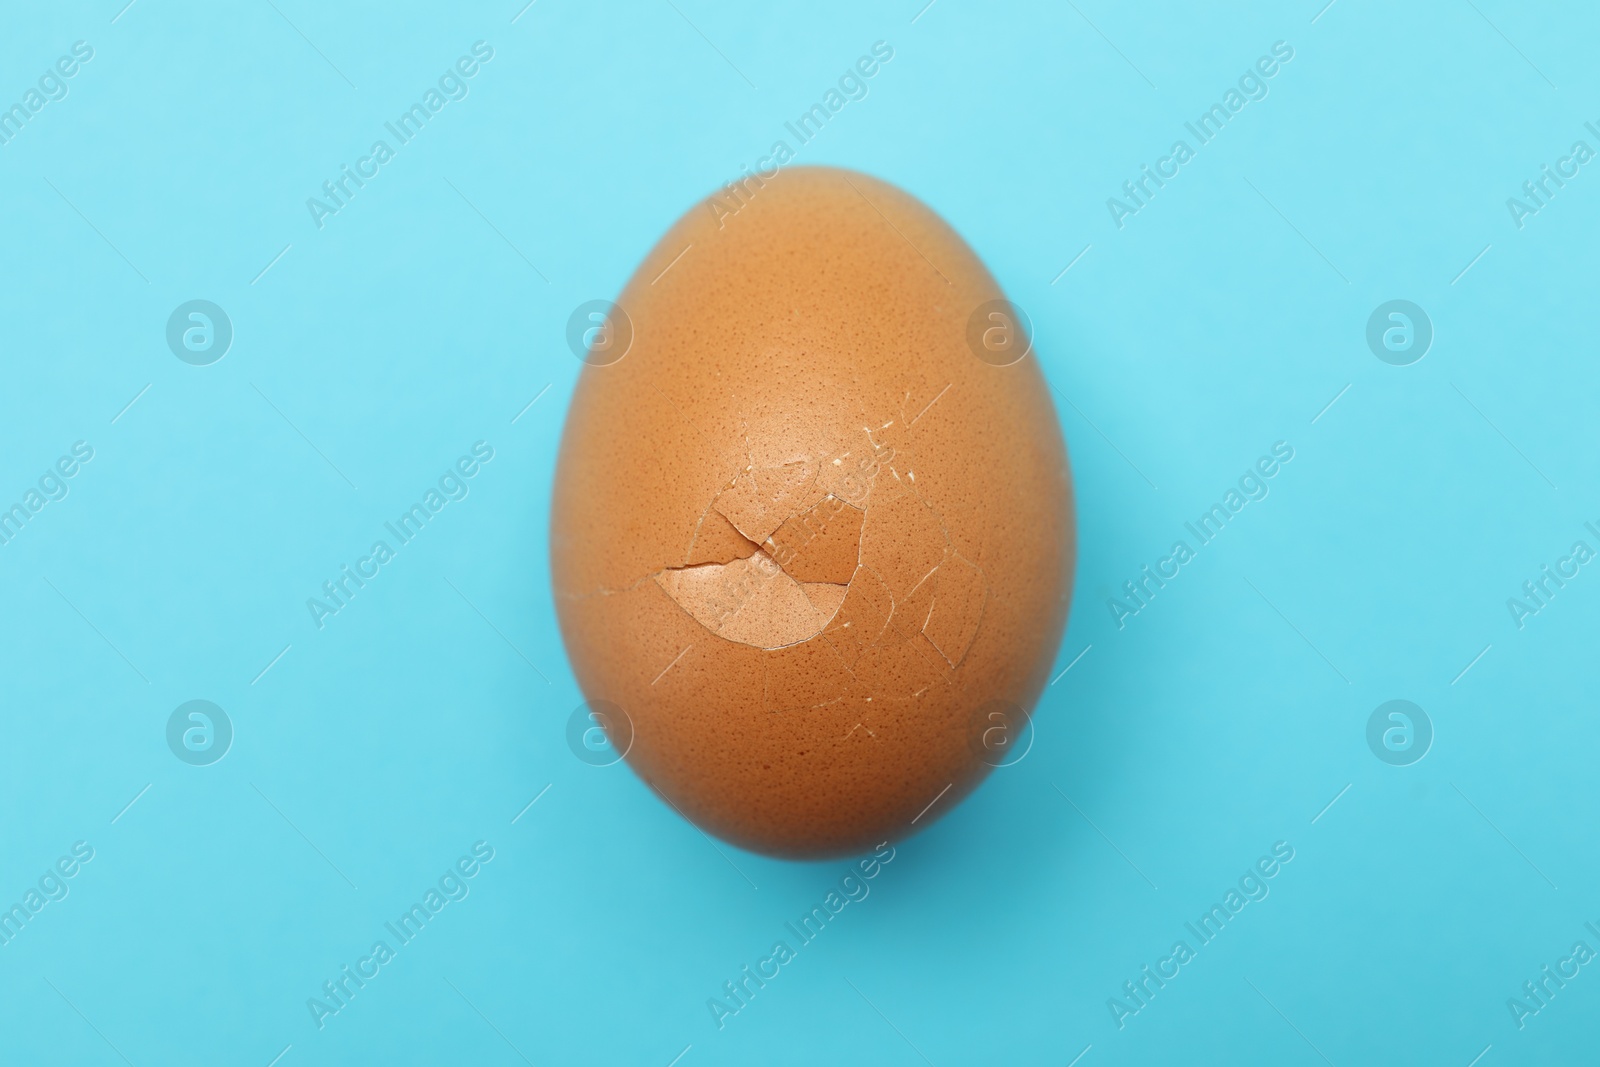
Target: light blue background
x,y
1224,317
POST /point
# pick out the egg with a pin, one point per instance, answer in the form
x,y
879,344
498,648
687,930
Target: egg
x,y
812,528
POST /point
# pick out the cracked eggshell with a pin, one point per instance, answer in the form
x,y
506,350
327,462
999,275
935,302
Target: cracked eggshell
x,y
801,534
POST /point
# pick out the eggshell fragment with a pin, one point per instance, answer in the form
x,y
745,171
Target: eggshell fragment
x,y
805,530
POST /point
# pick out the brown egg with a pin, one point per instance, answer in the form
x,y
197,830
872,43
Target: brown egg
x,y
815,525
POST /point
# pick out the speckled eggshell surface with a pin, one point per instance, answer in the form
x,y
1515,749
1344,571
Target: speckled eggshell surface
x,y
802,534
